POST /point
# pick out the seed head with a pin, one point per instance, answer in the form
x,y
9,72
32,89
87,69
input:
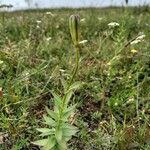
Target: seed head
x,y
74,28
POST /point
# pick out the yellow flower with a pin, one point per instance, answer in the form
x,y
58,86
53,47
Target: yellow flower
x,y
134,51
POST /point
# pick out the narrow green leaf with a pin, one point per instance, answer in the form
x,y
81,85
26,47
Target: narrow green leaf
x,y
50,144
56,96
69,131
69,111
68,97
68,126
58,102
42,142
64,85
46,132
51,113
75,86
49,121
43,130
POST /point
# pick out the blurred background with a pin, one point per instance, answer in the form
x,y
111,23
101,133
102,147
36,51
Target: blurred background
x,y
26,4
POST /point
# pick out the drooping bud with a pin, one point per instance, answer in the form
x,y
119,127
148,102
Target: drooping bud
x,y
74,28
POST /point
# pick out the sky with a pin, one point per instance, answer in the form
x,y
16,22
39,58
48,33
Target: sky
x,y
19,4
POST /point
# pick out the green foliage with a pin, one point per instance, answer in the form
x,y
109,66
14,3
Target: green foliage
x,y
59,131
37,60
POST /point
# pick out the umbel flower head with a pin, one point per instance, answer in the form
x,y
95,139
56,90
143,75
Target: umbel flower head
x,y
74,28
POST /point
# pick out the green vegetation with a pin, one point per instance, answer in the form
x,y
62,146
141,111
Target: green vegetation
x,y
37,57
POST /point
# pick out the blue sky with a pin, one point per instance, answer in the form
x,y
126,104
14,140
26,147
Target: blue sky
x,y
71,3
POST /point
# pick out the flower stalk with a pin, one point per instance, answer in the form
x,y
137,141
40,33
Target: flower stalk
x,y
75,35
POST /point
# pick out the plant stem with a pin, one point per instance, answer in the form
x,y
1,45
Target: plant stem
x,y
76,67
71,80
137,98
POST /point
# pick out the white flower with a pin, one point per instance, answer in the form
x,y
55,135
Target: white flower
x,y
1,62
84,41
113,24
38,27
50,13
139,39
130,100
99,18
49,38
57,26
25,76
38,21
135,42
129,76
109,63
116,104
82,20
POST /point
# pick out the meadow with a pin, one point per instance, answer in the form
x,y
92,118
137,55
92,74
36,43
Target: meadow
x,y
110,94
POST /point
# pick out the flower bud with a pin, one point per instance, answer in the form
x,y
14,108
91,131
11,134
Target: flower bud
x,y
74,28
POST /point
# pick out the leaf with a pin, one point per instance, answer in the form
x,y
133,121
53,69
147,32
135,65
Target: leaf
x,y
69,111
42,142
50,144
43,130
68,126
58,135
46,131
58,102
69,131
51,113
56,96
47,134
64,85
68,97
62,145
49,121
75,86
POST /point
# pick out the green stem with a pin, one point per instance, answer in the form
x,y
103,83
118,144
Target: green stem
x,y
71,80
76,67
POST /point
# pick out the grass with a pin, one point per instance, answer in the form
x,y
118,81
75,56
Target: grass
x,y
36,54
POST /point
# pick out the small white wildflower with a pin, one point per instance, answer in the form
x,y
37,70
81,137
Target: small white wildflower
x,y
1,62
50,13
25,75
48,39
113,24
109,63
129,76
99,18
116,104
57,26
143,111
141,37
84,41
130,100
38,21
38,27
61,70
82,20
135,42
